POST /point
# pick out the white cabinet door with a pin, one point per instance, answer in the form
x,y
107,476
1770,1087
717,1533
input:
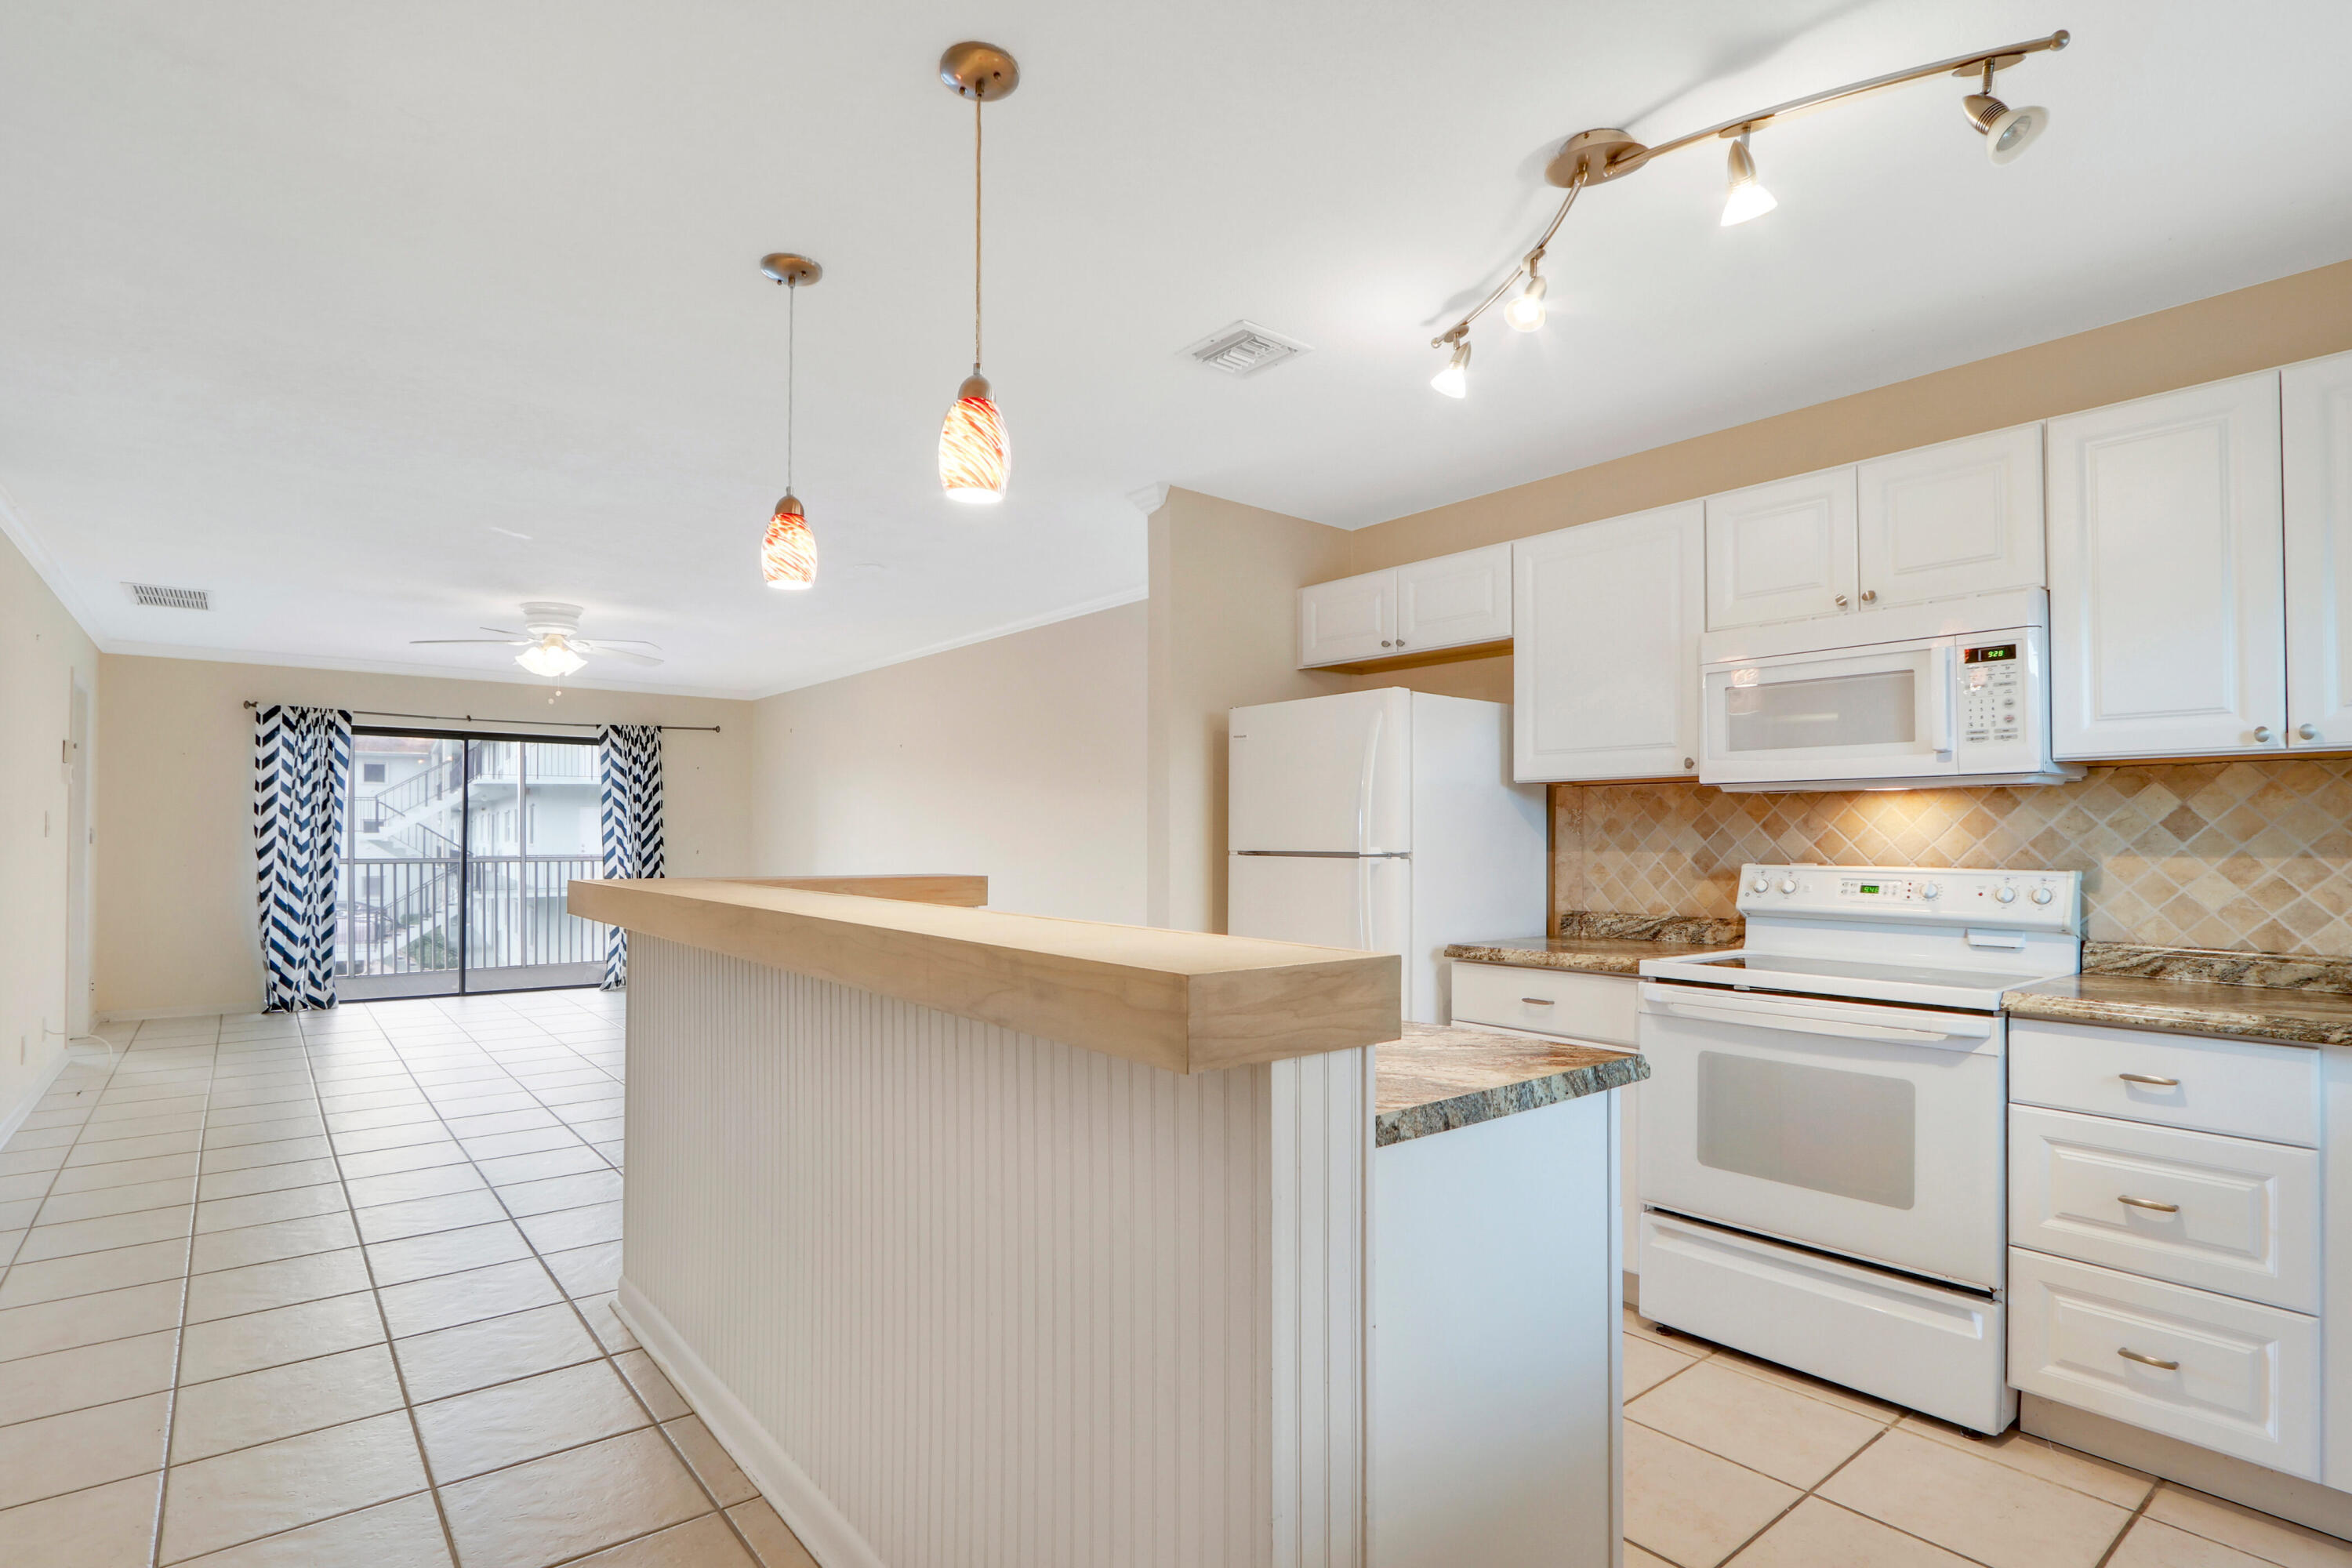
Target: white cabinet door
x,y
1958,518
1351,619
2166,626
1605,676
1454,599
2316,398
1781,551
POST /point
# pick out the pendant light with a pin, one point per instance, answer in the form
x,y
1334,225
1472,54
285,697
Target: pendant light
x,y
788,554
973,455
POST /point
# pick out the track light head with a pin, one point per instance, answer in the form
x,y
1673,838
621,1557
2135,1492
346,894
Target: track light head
x,y
1744,196
2007,132
1454,379
1526,312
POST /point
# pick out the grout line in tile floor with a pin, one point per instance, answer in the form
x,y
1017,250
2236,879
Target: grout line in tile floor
x,y
2117,1543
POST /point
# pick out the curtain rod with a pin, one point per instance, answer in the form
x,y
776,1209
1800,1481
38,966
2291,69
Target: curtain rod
x,y
469,718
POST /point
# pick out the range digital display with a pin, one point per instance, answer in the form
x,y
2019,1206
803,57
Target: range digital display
x,y
1867,887
1998,653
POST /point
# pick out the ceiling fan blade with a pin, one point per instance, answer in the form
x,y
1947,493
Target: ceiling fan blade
x,y
625,653
638,642
502,631
485,642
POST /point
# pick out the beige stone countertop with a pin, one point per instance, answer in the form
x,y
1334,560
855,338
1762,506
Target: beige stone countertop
x,y
1437,1079
2276,1014
1586,954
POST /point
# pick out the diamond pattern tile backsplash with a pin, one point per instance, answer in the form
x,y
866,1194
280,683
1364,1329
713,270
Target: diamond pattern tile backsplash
x,y
2254,856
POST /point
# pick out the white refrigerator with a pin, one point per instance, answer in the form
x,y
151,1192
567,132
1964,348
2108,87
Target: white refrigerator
x,y
1383,820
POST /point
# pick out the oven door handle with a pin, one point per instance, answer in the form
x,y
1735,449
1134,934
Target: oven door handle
x,y
1947,1033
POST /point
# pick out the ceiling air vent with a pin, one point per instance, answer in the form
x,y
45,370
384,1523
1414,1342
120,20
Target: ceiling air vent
x,y
1245,349
161,599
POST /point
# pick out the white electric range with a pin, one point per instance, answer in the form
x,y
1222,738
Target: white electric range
x,y
1823,1153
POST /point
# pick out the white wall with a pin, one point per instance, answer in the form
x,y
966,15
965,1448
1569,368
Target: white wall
x,y
42,653
176,922
1020,759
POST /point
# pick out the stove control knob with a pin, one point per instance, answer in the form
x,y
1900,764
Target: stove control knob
x,y
1931,891
1762,884
2007,895
2042,895
1789,885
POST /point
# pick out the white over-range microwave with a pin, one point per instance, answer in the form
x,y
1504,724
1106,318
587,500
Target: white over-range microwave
x,y
1916,698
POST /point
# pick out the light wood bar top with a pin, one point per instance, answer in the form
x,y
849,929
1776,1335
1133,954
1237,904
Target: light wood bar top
x,y
1184,1001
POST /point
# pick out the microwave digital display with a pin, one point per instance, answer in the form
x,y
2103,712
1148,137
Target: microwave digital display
x,y
1998,653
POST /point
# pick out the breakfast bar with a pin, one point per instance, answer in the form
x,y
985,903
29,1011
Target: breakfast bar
x,y
980,1236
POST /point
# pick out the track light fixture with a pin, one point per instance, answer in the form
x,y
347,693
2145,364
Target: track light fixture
x,y
1593,157
1745,196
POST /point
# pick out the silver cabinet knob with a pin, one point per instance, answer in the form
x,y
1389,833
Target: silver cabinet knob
x,y
1870,595
1400,642
1689,763
2262,734
2306,731
2007,895
1841,601
1384,642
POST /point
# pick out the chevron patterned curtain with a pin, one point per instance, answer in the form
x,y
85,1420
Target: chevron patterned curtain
x,y
301,764
630,775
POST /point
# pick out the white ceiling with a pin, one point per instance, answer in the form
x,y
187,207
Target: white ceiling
x,y
301,302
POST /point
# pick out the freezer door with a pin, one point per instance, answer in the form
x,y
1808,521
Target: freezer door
x,y
1329,900
1328,775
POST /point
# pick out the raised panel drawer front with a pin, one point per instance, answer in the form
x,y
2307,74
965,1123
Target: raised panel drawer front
x,y
2243,1087
2221,1374
1596,1007
2219,1214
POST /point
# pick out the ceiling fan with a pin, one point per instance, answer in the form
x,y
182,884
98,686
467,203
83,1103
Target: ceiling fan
x,y
551,640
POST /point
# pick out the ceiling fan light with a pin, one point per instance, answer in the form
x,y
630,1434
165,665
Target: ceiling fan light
x,y
973,453
1744,196
551,658
788,555
2007,132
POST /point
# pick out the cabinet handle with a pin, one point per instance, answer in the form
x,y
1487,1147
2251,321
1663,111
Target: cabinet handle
x,y
1400,642
1841,601
2156,1362
2148,1204
2262,734
2152,1082
1870,595
2306,731
1690,763
1537,1001
1384,642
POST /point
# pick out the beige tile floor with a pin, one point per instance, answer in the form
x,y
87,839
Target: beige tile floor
x,y
1729,1459
336,1292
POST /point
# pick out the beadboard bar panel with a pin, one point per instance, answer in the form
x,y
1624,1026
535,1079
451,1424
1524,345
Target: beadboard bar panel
x,y
1185,1001
957,1294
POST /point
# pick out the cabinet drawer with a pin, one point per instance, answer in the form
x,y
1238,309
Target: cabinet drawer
x,y
2220,1213
2243,1087
2221,1374
1596,1007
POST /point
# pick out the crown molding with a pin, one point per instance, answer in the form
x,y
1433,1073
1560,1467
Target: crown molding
x,y
1149,498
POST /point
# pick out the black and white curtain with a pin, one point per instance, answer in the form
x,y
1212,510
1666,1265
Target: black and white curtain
x,y
628,770
301,766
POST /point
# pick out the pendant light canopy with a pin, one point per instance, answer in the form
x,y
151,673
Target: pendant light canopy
x,y
788,553
975,456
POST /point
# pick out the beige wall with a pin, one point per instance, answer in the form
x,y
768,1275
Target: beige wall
x,y
1020,758
1225,583
175,867
43,655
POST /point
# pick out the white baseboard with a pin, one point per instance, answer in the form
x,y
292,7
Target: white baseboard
x,y
15,1116
832,1540
2307,1503
141,1015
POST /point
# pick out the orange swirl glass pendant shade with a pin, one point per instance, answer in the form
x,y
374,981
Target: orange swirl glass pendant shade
x,y
974,456
788,555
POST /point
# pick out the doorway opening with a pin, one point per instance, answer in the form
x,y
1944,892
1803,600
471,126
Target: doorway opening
x,y
457,852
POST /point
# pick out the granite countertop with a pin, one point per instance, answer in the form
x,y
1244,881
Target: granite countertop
x,y
1596,942
2282,998
1437,1079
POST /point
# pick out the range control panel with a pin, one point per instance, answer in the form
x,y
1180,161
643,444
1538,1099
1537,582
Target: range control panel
x,y
2027,901
1992,692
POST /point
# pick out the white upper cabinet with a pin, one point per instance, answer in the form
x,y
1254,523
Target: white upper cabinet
x,y
1454,599
1781,551
2316,405
1351,619
1443,603
2167,625
1945,522
1605,678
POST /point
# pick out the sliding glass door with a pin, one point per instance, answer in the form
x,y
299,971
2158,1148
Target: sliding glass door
x,y
456,853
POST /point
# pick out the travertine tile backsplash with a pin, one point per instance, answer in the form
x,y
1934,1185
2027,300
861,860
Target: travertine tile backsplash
x,y
2248,855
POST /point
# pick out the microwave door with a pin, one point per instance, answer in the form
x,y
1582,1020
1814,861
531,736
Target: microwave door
x,y
1883,712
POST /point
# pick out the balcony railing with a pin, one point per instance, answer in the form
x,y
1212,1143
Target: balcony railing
x,y
405,916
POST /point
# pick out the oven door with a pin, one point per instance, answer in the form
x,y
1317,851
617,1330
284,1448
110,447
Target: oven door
x,y
1879,712
1871,1130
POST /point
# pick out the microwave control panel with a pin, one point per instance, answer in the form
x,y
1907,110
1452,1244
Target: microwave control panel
x,y
1993,693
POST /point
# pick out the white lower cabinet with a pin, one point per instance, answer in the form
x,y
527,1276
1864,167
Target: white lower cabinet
x,y
1595,1007
2229,1375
